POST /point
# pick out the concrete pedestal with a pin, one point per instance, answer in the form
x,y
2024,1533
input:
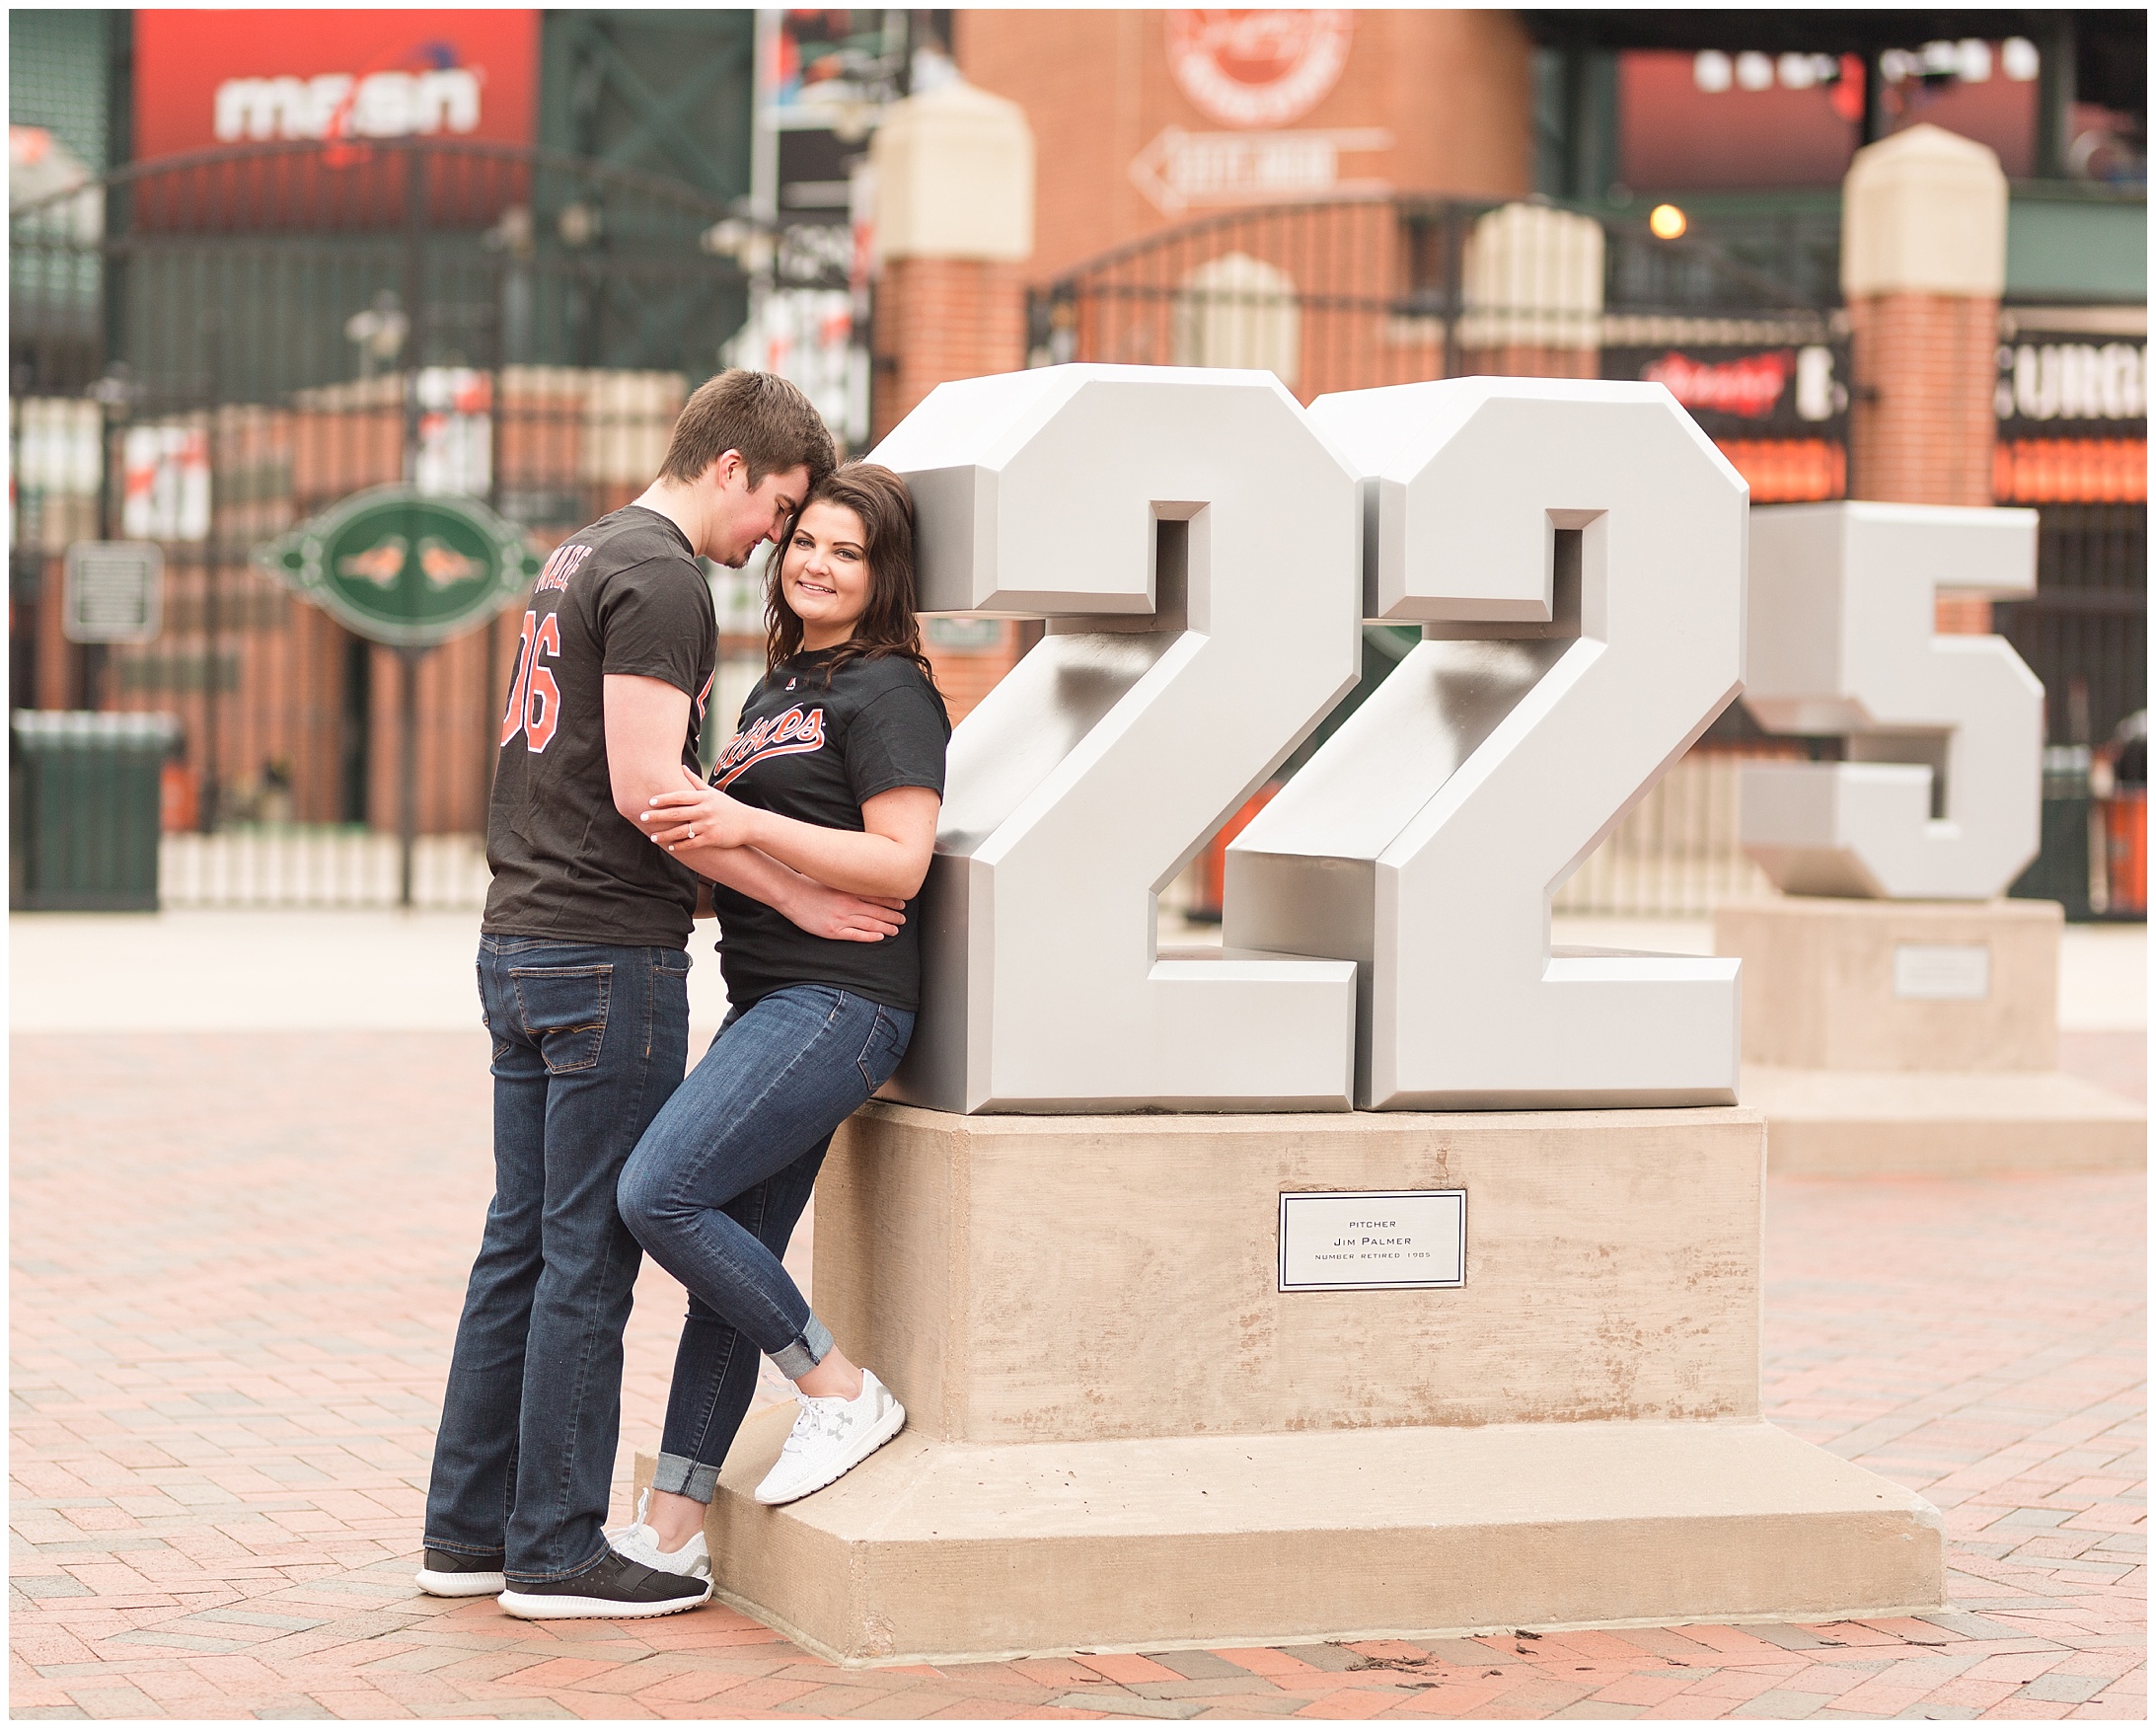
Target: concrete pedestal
x,y
1915,1038
1123,1434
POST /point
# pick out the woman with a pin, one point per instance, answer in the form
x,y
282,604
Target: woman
x,y
836,772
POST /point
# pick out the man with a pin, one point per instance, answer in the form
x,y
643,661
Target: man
x,y
583,981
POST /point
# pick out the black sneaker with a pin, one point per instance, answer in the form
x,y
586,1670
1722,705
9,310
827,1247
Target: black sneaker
x,y
449,1574
616,1589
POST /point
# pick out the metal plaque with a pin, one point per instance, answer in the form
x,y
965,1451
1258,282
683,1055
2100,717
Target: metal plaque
x,y
1397,1240
1942,972
114,592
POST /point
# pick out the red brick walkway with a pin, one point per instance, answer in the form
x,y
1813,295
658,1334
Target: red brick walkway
x,y
237,1264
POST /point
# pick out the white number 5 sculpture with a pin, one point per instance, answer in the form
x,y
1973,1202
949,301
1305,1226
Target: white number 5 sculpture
x,y
1200,511
1945,734
1578,550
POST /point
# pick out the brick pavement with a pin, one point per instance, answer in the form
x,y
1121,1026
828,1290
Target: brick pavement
x,y
237,1265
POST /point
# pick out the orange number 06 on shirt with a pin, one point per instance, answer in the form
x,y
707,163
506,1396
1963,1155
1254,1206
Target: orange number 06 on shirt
x,y
535,699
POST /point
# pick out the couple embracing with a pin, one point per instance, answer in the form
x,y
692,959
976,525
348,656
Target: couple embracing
x,y
809,842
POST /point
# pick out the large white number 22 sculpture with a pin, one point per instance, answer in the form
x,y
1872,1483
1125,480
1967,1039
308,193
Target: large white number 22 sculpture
x,y
1576,551
1945,734
1578,548
1201,511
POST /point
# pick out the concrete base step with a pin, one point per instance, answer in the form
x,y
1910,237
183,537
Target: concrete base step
x,y
1847,1122
940,1551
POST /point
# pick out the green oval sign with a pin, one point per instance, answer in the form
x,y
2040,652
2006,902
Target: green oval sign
x,y
405,567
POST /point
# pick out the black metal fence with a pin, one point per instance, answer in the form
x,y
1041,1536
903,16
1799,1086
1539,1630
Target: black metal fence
x,y
1357,292
2085,633
1363,292
204,350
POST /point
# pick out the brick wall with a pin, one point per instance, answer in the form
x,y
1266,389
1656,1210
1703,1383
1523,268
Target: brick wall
x,y
966,675
1453,89
1532,360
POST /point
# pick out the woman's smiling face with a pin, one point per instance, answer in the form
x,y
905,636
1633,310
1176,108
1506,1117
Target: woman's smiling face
x,y
825,573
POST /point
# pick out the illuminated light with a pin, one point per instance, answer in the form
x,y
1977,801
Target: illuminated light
x,y
1976,60
1666,221
1796,71
1754,71
2019,56
1711,71
1847,95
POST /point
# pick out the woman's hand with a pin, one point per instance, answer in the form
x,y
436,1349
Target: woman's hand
x,y
703,815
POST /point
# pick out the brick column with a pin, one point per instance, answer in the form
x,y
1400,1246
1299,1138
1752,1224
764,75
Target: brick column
x,y
953,224
941,318
953,228
1923,260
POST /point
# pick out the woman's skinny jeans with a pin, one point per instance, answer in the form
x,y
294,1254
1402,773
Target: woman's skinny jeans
x,y
718,1183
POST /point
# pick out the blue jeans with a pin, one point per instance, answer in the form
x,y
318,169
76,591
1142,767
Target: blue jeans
x,y
589,1042
717,1184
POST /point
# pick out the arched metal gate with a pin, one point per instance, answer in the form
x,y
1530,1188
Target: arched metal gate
x,y
206,349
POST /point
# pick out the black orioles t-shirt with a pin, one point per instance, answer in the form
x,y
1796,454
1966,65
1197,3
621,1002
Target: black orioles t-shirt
x,y
622,596
817,753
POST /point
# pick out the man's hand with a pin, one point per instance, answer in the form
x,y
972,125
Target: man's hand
x,y
843,918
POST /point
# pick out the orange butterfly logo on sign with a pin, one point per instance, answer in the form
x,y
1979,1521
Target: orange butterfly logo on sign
x,y
443,565
381,564
1257,68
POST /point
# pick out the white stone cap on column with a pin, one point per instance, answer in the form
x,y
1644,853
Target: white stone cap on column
x,y
1532,274
954,177
1924,211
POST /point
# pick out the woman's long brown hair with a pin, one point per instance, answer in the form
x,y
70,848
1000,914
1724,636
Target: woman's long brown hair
x,y
889,625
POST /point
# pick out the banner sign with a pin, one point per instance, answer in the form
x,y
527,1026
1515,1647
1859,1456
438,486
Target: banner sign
x,y
399,567
2072,408
2065,385
1789,392
204,79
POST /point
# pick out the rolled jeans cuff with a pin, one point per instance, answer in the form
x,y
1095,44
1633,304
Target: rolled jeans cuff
x,y
677,1475
805,1352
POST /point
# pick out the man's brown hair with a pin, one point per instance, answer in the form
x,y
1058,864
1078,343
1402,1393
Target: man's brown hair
x,y
757,413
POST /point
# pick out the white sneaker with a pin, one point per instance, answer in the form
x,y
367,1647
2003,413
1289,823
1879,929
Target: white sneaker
x,y
639,1542
831,1436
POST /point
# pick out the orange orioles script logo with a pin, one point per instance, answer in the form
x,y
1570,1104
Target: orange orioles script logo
x,y
794,733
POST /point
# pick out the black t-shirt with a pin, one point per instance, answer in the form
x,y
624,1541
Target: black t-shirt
x,y
622,596
819,752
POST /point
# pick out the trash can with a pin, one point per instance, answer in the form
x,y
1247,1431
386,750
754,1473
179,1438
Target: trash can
x,y
83,810
2060,871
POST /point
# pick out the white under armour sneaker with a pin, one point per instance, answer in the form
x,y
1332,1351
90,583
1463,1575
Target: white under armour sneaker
x,y
831,1436
639,1542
